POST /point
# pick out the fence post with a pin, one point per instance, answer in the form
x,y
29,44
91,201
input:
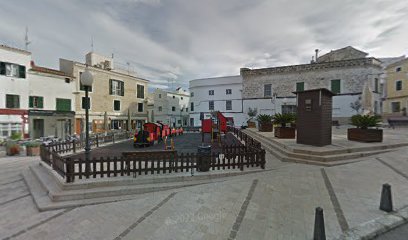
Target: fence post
x,y
97,141
263,152
69,164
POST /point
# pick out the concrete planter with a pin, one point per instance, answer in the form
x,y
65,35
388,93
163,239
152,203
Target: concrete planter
x,y
285,132
251,125
265,127
33,151
365,135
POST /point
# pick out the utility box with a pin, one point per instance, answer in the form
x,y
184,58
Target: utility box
x,y
314,117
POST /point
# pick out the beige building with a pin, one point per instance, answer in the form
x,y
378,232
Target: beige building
x,y
118,98
396,103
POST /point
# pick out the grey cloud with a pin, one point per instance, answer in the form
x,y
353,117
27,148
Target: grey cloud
x,y
188,39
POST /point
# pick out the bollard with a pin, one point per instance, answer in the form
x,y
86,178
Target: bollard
x,y
319,232
386,198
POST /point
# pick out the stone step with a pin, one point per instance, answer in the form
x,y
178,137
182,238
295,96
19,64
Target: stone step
x,y
329,152
48,191
284,154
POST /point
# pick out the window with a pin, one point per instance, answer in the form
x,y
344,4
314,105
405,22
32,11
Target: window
x,y
160,108
192,106
268,90
86,103
398,69
192,94
35,102
12,70
63,104
181,98
228,105
140,107
300,86
173,109
211,105
116,105
335,86
179,121
116,87
395,107
140,91
211,92
288,109
82,87
228,91
186,109
67,80
398,85
12,101
159,95
174,97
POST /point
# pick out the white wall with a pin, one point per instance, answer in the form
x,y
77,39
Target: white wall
x,y
13,85
56,87
200,88
165,100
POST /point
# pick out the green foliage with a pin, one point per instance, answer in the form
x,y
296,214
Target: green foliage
x,y
264,118
365,121
252,112
15,136
284,118
33,144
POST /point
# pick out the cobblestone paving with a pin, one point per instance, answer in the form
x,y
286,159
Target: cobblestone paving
x,y
280,206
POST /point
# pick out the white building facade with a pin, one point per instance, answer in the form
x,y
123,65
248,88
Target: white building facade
x,y
14,91
51,103
222,94
170,107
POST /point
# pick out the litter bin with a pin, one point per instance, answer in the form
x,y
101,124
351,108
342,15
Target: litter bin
x,y
204,157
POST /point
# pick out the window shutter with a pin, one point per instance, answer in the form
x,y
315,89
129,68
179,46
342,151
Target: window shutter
x,y
2,68
17,102
335,86
40,102
110,86
30,101
21,71
122,89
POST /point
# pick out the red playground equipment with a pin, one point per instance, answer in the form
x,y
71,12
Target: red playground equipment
x,y
154,131
216,125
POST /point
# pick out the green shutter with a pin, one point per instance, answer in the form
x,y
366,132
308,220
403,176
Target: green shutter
x,y
110,86
40,102
30,102
122,89
2,68
335,86
300,86
63,104
21,71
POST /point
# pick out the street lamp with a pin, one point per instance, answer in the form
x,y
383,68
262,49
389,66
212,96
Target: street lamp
x,y
87,80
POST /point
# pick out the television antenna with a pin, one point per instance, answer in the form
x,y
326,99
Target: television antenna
x,y
26,41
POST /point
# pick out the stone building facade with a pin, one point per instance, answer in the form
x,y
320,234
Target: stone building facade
x,y
118,98
396,103
274,86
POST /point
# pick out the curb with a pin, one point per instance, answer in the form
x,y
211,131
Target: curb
x,y
376,227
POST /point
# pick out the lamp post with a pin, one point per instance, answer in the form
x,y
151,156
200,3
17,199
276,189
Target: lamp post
x,y
87,80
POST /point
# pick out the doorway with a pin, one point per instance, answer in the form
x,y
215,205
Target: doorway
x,y
38,128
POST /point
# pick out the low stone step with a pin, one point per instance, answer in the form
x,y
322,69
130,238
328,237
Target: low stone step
x,y
290,156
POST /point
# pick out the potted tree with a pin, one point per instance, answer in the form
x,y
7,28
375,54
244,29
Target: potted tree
x,y
364,131
251,114
12,148
264,123
283,131
33,148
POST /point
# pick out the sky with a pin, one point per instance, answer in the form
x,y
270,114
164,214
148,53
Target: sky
x,y
170,42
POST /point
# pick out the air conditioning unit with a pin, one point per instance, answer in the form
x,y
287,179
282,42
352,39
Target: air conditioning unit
x,y
108,65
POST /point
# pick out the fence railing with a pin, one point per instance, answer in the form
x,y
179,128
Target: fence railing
x,y
152,162
94,141
248,140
